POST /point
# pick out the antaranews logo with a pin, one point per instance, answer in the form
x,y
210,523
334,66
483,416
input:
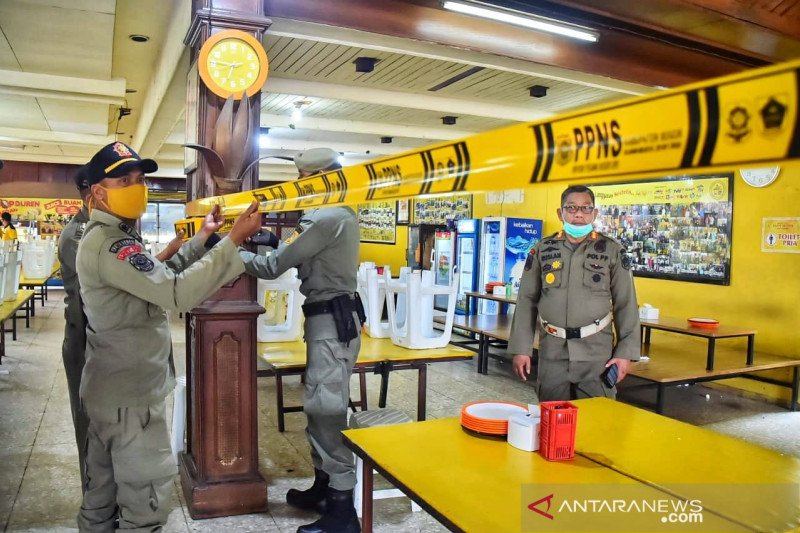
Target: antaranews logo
x,y
634,507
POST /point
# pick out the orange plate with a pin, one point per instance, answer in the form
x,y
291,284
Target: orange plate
x,y
706,323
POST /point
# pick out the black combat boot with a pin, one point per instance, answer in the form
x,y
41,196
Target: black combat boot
x,y
339,517
312,499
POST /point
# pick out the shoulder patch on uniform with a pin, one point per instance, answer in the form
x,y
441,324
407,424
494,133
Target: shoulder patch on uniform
x,y
141,262
529,260
625,260
124,227
120,244
600,246
79,230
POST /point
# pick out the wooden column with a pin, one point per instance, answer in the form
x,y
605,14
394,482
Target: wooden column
x,y
219,470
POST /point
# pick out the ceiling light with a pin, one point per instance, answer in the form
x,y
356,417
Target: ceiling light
x,y
449,120
12,148
297,112
519,18
137,38
263,140
386,140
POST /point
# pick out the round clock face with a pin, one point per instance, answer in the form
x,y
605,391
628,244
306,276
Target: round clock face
x,y
232,63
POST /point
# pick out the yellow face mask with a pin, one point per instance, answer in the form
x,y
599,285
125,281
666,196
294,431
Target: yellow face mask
x,y
128,202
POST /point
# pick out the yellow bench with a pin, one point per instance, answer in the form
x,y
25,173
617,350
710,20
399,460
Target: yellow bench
x,y
8,310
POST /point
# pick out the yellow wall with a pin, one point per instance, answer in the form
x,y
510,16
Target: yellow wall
x,y
764,289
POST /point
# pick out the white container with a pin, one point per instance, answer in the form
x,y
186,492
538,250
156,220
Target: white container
x,y
648,312
13,266
283,319
38,256
523,431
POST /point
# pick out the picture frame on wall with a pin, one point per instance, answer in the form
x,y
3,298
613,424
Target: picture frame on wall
x,y
439,209
675,228
403,212
376,222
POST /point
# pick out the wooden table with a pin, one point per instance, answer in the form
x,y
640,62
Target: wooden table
x,y
486,296
485,328
681,326
473,483
9,310
40,283
380,356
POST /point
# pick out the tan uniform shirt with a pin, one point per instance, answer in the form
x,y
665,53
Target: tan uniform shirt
x,y
324,248
571,288
125,292
67,251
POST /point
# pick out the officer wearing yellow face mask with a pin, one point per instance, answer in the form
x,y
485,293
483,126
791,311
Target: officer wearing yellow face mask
x,y
127,374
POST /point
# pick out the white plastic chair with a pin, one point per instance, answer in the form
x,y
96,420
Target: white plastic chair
x,y
283,302
414,327
372,289
178,417
366,419
13,262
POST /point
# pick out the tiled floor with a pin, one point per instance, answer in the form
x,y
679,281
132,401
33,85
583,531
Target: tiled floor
x,y
39,482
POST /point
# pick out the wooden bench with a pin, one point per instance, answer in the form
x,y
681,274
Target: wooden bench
x,y
9,310
674,363
485,328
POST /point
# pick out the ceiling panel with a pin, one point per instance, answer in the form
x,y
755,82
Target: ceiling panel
x,y
75,117
59,40
21,112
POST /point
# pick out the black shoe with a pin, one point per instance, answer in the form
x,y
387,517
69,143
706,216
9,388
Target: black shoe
x,y
312,499
340,516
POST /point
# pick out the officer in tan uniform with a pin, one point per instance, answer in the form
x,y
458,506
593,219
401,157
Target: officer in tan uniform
x,y
127,375
576,284
72,350
324,248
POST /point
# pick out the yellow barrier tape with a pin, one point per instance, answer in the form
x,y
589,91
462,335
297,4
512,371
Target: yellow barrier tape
x,y
743,118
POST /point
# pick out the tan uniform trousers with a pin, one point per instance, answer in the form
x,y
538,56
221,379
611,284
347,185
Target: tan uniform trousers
x,y
327,395
129,469
563,380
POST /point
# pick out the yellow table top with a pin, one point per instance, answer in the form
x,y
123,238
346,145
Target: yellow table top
x,y
7,309
474,483
293,354
668,453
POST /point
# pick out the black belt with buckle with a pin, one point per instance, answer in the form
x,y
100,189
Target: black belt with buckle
x,y
317,308
572,333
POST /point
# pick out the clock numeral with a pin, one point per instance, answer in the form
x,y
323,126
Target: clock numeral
x,y
241,81
233,84
250,75
217,54
216,74
223,80
234,46
253,66
250,57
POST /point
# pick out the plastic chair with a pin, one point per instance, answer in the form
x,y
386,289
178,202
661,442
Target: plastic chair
x,y
414,327
368,419
13,262
283,302
372,289
178,417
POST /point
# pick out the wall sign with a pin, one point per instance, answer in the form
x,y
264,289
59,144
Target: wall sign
x,y
676,228
780,235
440,209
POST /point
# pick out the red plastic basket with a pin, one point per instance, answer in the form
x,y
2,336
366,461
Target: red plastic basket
x,y
557,431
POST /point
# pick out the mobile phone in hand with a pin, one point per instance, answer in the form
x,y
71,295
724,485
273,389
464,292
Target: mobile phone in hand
x,y
610,375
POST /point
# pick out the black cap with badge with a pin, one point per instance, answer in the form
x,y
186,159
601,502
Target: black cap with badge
x,y
115,160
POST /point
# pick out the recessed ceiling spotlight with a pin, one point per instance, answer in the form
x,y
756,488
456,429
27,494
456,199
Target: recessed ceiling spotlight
x,y
386,140
538,91
130,91
365,64
138,38
449,120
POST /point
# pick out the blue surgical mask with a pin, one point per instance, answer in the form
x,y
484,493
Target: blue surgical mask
x,y
577,231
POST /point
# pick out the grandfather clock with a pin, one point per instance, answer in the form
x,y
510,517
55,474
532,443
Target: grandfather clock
x,y
219,470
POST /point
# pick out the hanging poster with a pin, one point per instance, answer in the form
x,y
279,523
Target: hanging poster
x,y
440,209
376,222
780,235
676,228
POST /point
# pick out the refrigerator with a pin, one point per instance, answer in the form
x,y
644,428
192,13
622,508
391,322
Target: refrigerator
x,y
444,254
467,249
505,246
421,243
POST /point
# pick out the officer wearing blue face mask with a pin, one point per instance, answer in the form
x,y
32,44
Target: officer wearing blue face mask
x,y
577,283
